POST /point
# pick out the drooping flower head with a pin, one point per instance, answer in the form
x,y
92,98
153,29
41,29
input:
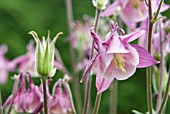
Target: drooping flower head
x,y
116,58
24,100
45,55
60,101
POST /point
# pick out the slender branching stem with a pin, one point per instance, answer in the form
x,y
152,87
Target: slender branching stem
x,y
158,10
113,97
1,109
165,98
45,95
149,77
159,98
73,62
88,81
97,103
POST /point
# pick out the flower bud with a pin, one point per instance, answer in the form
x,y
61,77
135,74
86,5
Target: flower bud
x,y
100,4
45,55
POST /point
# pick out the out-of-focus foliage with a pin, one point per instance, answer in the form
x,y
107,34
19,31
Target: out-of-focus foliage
x,y
19,17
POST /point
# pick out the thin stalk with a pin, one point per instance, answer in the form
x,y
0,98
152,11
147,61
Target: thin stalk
x,y
113,97
1,109
75,78
15,88
149,77
158,10
97,103
88,81
159,98
165,98
45,96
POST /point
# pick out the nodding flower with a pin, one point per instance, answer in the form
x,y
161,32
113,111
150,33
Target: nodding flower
x,y
22,99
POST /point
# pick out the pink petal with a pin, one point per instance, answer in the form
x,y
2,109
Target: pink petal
x,y
132,36
89,66
116,46
131,61
111,9
119,75
132,57
145,58
102,83
3,76
132,14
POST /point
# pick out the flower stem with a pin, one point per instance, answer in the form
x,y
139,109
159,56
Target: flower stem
x,y
159,98
73,62
44,95
113,97
97,103
149,77
165,96
1,109
88,81
158,10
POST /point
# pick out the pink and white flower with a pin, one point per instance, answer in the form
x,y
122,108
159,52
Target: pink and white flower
x,y
116,58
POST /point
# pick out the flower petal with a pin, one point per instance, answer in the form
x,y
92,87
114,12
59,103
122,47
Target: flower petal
x,y
88,67
102,83
145,58
111,9
119,75
132,36
116,46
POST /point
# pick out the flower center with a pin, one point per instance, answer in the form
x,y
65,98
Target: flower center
x,y
119,62
136,4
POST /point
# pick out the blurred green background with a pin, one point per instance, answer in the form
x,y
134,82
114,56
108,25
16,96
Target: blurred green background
x,y
19,17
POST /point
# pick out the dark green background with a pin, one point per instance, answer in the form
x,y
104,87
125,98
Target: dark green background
x,y
18,17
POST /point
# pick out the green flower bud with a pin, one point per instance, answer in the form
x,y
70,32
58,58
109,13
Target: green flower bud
x,y
45,55
100,4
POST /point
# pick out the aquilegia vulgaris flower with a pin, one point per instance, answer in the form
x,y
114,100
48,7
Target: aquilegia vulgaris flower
x,y
116,58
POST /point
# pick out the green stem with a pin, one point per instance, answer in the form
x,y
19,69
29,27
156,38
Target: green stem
x,y
44,96
149,77
73,62
158,10
159,98
88,81
1,109
165,98
97,103
113,97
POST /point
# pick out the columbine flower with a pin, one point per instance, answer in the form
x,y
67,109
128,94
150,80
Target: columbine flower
x,y
45,55
132,11
116,58
25,100
60,102
5,65
100,4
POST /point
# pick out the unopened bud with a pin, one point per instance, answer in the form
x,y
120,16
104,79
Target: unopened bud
x,y
45,55
100,4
